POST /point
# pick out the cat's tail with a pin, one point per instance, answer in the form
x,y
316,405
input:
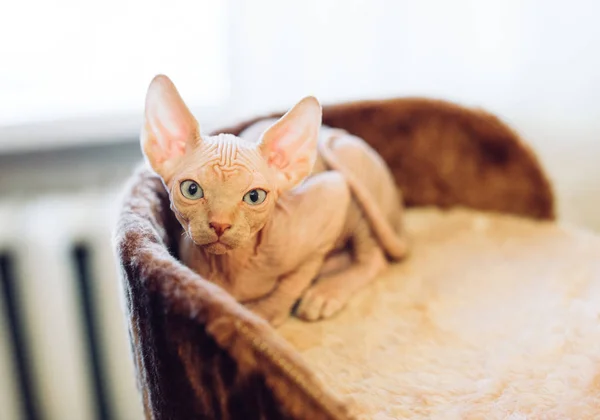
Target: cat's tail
x,y
395,246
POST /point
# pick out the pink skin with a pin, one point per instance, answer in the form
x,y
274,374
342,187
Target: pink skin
x,y
294,244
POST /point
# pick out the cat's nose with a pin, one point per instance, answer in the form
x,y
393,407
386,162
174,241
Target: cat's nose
x,y
219,228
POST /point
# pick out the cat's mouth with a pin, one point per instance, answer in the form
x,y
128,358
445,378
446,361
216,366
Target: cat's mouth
x,y
218,246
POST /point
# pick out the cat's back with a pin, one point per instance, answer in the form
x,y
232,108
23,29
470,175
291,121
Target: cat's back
x,y
366,164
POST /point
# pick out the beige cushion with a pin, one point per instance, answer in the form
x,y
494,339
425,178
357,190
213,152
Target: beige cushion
x,y
492,317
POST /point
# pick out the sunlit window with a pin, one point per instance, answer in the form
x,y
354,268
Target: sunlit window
x,y
69,59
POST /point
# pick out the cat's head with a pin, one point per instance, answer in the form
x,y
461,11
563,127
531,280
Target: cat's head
x,y
223,188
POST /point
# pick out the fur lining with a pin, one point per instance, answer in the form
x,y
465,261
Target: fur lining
x,y
492,317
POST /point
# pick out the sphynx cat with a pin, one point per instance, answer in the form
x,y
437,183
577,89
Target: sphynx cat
x,y
288,216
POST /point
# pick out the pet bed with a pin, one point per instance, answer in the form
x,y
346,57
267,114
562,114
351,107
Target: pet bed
x,y
493,315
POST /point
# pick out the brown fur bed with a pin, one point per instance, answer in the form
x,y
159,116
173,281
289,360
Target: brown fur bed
x,y
200,355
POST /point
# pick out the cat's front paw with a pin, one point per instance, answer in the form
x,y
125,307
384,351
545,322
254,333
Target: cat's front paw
x,y
321,301
273,314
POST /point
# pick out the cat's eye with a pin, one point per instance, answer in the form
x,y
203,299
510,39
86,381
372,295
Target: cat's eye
x,y
191,190
255,197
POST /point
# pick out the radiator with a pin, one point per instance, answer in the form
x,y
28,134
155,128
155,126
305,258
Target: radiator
x,y
64,351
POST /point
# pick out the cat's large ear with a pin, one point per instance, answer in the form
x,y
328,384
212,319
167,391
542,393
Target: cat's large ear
x,y
290,145
169,130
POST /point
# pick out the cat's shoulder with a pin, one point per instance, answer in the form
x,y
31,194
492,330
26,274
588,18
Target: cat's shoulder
x,y
313,214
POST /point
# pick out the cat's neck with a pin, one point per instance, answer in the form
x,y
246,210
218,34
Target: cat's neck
x,y
232,270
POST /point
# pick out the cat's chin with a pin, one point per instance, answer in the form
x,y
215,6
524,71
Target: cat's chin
x,y
217,248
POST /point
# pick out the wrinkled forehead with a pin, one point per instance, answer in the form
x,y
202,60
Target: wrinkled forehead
x,y
228,159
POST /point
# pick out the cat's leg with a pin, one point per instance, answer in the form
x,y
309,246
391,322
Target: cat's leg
x,y
331,292
277,306
336,262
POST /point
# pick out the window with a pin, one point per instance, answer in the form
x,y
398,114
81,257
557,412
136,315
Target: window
x,y
72,60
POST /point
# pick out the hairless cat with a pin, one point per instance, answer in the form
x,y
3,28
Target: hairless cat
x,y
288,213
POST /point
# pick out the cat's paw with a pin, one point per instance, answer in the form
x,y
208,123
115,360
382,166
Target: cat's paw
x,y
273,314
321,301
